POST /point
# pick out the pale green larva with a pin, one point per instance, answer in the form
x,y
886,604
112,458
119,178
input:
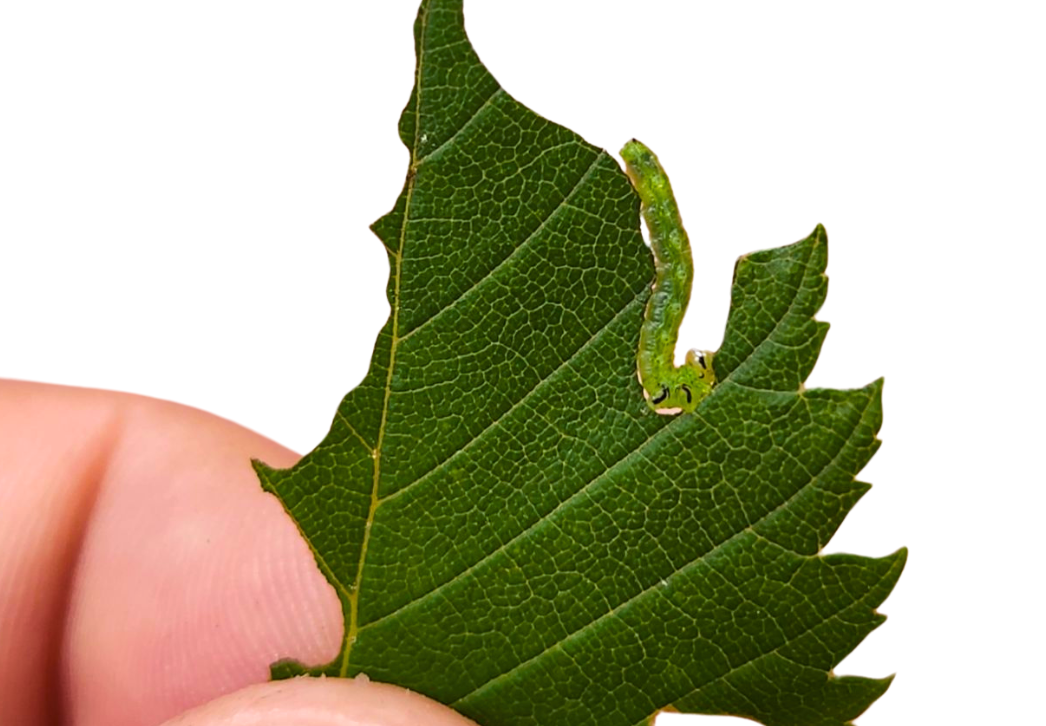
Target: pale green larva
x,y
669,389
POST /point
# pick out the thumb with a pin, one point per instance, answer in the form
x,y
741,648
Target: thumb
x,y
322,702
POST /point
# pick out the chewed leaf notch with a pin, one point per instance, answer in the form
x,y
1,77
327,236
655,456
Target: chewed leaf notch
x,y
510,528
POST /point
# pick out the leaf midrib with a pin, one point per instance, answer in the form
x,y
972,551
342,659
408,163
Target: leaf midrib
x,y
354,628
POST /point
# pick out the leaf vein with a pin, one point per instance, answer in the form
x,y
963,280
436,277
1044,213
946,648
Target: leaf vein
x,y
493,424
453,137
781,319
356,433
837,615
690,565
532,236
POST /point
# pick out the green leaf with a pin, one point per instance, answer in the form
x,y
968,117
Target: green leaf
x,y
509,527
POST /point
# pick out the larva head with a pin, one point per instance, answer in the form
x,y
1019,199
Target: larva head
x,y
686,387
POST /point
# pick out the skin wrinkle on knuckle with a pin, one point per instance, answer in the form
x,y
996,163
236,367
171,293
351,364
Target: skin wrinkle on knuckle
x,y
58,443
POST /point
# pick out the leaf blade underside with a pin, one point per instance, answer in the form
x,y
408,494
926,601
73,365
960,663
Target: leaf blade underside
x,y
510,530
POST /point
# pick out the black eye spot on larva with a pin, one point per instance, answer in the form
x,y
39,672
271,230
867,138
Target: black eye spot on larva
x,y
686,390
701,360
662,397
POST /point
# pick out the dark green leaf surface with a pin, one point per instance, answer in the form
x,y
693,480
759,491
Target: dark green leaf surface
x,y
509,527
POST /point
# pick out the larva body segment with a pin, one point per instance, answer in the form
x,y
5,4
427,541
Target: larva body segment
x,y
669,389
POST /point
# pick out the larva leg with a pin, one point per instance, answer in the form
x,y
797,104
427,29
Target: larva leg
x,y
669,389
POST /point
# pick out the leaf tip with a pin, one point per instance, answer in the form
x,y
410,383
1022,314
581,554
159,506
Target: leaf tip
x,y
895,563
264,472
901,557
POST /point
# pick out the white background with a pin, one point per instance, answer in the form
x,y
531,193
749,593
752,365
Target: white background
x,y
185,191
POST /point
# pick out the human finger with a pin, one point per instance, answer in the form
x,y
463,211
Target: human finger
x,y
142,569
322,702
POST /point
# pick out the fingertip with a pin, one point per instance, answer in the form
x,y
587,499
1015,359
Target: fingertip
x,y
322,702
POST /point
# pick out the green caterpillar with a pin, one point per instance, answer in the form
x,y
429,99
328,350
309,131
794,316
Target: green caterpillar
x,y
668,389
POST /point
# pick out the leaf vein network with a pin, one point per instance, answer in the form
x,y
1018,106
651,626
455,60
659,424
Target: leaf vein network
x,y
636,451
780,320
508,258
498,92
690,565
595,337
